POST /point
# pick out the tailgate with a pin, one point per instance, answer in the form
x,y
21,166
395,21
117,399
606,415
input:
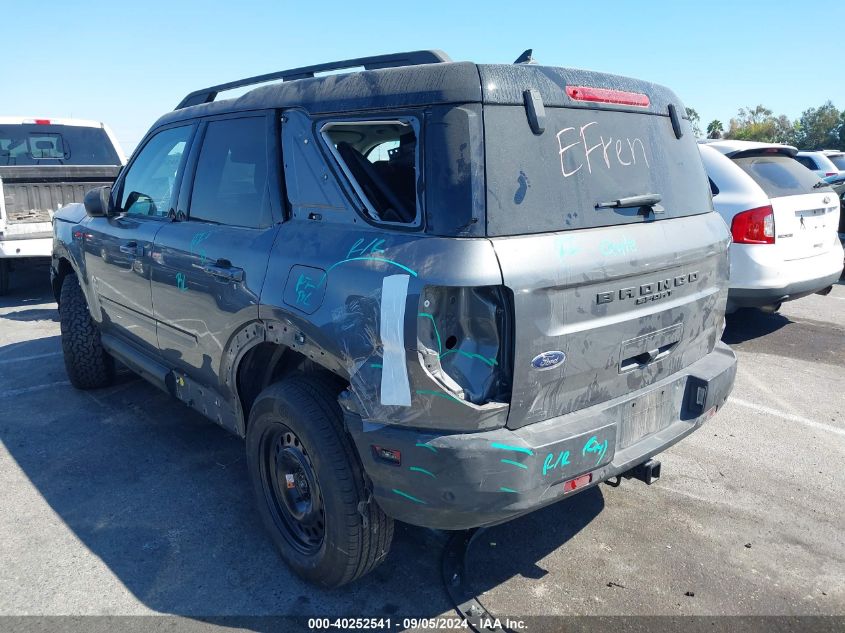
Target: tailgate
x,y
625,310
805,224
605,233
32,194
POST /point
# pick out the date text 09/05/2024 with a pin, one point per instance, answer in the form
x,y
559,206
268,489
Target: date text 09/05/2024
x,y
435,624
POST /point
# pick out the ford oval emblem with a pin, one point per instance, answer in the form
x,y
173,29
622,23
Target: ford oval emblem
x,y
548,360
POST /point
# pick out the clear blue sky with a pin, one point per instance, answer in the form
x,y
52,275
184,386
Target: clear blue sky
x,y
128,62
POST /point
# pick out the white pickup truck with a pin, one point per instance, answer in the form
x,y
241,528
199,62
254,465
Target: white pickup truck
x,y
44,165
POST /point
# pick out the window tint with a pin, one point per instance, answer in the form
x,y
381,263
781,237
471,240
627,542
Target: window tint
x,y
148,185
380,159
778,175
838,160
230,186
559,180
37,144
714,190
808,162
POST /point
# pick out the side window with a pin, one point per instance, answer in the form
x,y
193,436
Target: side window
x,y
148,185
714,190
808,162
380,159
230,186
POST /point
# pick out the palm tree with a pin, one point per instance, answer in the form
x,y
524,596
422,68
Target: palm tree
x,y
715,129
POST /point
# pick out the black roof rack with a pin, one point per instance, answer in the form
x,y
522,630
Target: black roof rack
x,y
394,60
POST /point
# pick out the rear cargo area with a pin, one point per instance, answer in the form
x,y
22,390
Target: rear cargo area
x,y
31,194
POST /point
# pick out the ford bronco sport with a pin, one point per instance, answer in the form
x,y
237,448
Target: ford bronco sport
x,y
443,293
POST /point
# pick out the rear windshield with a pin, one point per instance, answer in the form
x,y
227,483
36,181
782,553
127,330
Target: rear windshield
x,y
838,160
779,175
555,180
32,144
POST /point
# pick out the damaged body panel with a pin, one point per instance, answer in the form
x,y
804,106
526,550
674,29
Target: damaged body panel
x,y
506,283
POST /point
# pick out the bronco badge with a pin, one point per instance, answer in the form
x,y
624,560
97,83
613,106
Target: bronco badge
x,y
652,291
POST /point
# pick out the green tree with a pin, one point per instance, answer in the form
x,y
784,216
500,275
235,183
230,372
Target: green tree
x,y
715,129
841,133
783,131
820,128
760,124
694,121
753,116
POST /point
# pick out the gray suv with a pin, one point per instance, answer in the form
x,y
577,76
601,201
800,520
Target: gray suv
x,y
432,291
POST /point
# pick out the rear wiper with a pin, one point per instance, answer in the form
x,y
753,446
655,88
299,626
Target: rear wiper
x,y
646,201
821,183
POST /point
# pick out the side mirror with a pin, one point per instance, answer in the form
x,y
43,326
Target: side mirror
x,y
97,202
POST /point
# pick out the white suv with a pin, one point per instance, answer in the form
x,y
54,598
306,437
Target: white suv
x,y
783,220
818,162
836,157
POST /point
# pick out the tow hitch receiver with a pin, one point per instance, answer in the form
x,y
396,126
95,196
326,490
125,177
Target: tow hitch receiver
x,y
646,472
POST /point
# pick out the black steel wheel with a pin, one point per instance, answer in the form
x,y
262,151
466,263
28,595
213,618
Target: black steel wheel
x,y
291,490
309,483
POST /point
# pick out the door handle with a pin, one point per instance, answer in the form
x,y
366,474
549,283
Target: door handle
x,y
225,271
130,248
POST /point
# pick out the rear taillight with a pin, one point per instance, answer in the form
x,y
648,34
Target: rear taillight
x,y
465,341
755,226
831,173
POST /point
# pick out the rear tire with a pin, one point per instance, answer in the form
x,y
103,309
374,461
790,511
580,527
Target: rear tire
x,y
309,484
87,363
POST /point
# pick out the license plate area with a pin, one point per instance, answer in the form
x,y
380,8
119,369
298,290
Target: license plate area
x,y
810,223
648,414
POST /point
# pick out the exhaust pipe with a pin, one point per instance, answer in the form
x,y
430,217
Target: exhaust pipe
x,y
825,291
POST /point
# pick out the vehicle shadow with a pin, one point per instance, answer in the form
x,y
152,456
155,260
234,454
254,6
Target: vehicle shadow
x,y
30,284
33,314
162,497
748,323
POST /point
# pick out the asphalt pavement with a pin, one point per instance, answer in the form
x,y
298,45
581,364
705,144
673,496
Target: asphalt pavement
x,y
122,501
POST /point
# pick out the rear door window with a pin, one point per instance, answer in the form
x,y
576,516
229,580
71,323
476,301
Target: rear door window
x,y
230,185
778,175
554,181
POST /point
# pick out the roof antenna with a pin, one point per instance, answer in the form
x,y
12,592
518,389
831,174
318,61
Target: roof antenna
x,y
526,57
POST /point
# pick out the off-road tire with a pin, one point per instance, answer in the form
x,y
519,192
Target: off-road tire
x,y
88,364
357,534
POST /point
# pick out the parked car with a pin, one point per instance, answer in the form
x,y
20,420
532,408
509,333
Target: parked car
x,y
451,337
45,164
783,220
837,183
818,163
836,157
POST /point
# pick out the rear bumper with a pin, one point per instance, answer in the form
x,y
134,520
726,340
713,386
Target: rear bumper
x,y
759,297
26,247
761,277
467,480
